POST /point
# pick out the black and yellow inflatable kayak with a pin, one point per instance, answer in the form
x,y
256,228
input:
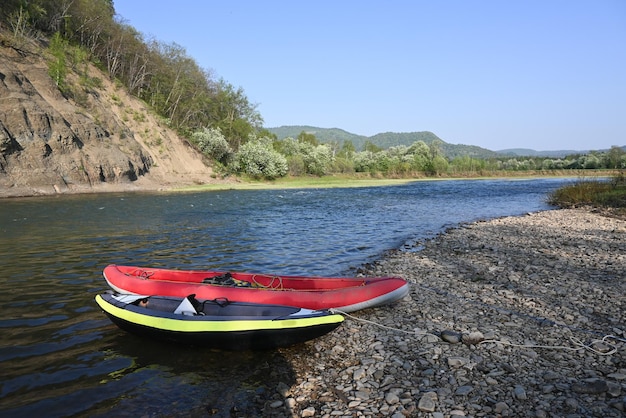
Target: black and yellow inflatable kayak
x,y
216,323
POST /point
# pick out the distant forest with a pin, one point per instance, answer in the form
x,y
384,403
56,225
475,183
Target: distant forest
x,y
217,117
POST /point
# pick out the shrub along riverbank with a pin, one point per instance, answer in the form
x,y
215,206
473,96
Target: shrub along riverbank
x,y
604,195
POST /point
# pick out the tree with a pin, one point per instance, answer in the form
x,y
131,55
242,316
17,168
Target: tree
x,y
233,113
347,149
370,146
308,137
616,157
57,67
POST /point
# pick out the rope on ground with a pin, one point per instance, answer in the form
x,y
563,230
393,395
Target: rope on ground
x,y
578,344
367,321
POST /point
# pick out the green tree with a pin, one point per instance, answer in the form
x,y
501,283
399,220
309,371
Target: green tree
x,y
57,67
347,149
616,157
370,146
308,137
233,113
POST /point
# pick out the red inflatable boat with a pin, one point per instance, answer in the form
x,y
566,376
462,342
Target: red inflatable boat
x,y
346,294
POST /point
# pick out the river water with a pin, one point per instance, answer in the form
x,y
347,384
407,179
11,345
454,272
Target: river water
x,y
60,356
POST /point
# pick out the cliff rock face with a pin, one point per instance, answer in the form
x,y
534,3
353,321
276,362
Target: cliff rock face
x,y
100,139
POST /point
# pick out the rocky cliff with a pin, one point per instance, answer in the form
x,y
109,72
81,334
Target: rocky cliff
x,y
98,139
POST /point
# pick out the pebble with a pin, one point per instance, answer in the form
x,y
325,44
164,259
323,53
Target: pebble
x,y
463,390
391,398
451,337
308,412
428,402
456,362
590,386
514,291
520,393
473,338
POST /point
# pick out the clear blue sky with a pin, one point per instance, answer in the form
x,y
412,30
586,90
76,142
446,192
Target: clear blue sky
x,y
539,74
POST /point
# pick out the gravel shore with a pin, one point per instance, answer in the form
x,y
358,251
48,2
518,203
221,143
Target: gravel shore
x,y
518,316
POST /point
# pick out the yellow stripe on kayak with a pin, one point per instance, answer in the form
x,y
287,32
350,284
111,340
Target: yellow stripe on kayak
x,y
183,325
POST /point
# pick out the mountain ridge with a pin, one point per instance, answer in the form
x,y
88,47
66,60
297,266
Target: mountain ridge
x,y
388,139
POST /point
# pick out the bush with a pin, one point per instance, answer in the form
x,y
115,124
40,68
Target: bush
x,y
213,144
592,192
257,158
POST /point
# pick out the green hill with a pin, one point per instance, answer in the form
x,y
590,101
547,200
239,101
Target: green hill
x,y
524,152
382,140
323,135
391,139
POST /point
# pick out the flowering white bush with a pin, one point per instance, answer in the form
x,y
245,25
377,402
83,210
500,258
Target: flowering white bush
x,y
258,159
212,143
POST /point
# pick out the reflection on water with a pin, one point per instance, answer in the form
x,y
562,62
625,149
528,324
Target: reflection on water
x,y
61,356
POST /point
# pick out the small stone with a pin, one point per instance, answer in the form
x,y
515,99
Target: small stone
x,y
457,362
614,389
619,405
361,395
571,404
464,390
283,389
520,393
593,386
473,338
602,347
508,368
450,336
500,407
276,404
338,349
358,374
391,398
491,381
308,412
427,402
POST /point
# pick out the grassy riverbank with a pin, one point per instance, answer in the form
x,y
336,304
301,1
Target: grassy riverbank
x,y
352,180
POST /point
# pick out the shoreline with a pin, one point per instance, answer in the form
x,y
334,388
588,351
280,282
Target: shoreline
x,y
514,316
145,185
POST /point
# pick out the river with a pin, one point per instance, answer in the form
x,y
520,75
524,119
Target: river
x,y
60,356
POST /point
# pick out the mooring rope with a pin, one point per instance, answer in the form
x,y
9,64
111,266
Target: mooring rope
x,y
579,345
